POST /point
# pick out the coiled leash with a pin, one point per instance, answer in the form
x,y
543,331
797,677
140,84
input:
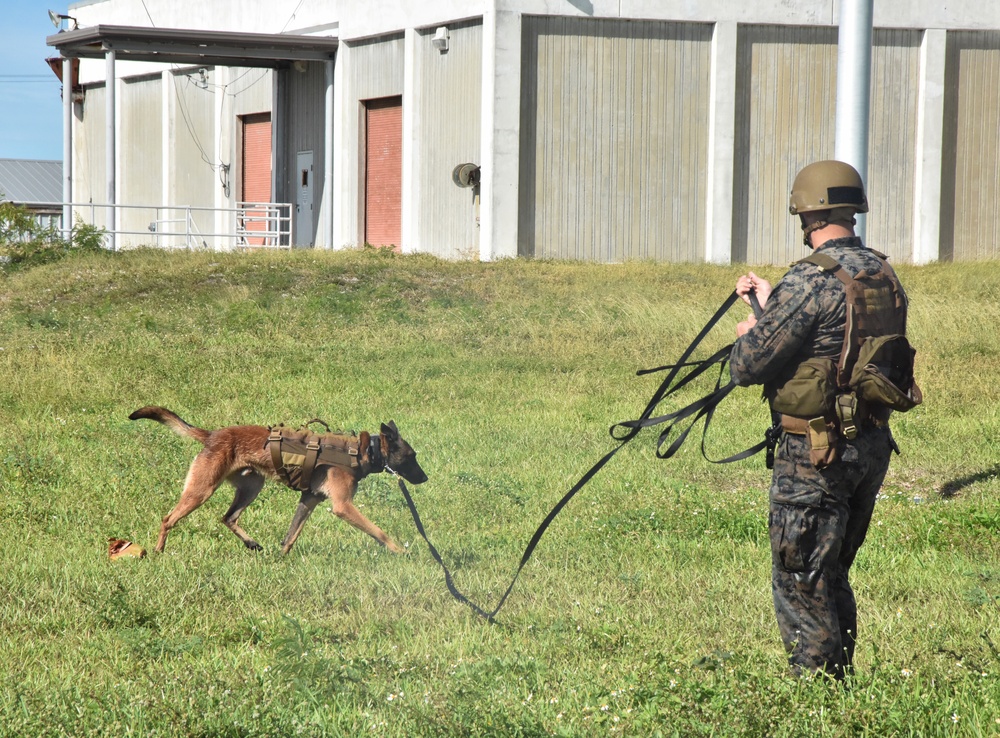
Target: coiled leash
x,y
624,432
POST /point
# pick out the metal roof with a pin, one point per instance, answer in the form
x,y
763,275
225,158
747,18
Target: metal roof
x,y
190,46
34,181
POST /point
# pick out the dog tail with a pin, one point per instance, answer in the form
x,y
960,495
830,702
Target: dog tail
x,y
171,420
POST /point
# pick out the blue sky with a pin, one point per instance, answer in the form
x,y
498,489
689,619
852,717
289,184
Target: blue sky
x,y
30,103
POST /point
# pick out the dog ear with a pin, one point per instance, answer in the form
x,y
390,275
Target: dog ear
x,y
390,431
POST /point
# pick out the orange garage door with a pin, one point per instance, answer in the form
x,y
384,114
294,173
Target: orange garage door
x,y
256,170
383,171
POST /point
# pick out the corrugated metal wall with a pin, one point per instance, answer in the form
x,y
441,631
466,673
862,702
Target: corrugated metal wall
x,y
613,139
373,69
249,90
786,82
971,155
303,96
892,142
193,123
785,118
445,136
89,179
140,155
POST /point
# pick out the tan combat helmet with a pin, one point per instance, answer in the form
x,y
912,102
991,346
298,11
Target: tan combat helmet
x,y
825,185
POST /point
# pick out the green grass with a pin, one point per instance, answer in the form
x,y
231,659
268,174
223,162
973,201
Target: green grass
x,y
646,608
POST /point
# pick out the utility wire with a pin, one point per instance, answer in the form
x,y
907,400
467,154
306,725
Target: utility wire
x,y
291,16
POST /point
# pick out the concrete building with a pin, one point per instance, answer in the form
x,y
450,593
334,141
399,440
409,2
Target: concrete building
x,y
603,130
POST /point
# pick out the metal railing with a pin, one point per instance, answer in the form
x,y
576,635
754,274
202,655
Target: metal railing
x,y
248,225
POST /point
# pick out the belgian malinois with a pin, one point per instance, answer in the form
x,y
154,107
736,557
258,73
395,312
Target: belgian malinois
x,y
237,454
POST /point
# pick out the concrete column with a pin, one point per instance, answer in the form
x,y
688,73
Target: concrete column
x,y
67,192
341,237
110,139
721,145
930,131
325,237
167,97
409,225
221,221
279,78
500,138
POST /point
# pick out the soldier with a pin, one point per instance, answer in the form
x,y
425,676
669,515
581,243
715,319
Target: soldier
x,y
828,469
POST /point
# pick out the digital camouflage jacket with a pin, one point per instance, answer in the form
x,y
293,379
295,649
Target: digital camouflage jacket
x,y
803,318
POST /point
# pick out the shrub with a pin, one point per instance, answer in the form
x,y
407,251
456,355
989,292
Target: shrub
x,y
25,243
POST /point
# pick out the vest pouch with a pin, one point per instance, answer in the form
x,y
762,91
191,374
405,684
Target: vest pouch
x,y
883,374
809,392
822,437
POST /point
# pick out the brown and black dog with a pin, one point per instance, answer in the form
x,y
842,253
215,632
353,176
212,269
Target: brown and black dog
x,y
238,454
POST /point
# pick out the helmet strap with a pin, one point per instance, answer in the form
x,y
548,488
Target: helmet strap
x,y
807,231
834,215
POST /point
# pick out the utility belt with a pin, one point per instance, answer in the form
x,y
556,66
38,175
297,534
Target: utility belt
x,y
823,432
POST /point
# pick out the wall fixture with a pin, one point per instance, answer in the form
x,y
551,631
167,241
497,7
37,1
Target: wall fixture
x,y
58,18
466,175
440,39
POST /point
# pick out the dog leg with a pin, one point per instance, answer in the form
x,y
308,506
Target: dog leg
x,y
347,511
203,478
307,503
248,484
340,489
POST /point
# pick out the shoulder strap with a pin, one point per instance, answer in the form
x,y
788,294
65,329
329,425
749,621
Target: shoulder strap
x,y
848,351
274,444
824,261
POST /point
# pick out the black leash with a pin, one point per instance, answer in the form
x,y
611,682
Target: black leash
x,y
624,432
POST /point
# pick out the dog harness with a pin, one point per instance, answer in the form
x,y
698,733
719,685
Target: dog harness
x,y
296,452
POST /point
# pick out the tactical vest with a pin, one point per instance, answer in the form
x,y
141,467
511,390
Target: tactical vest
x,y
872,376
295,452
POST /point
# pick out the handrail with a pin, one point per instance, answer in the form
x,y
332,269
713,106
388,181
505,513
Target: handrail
x,y
248,225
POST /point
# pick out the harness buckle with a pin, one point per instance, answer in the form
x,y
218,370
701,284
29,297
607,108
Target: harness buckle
x,y
847,406
772,435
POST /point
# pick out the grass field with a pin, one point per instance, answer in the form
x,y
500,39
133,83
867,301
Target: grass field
x,y
646,608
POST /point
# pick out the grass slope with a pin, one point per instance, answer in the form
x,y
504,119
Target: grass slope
x,y
646,609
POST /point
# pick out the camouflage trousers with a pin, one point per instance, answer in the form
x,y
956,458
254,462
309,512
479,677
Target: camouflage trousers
x,y
818,521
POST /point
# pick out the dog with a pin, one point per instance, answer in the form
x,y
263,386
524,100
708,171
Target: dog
x,y
238,455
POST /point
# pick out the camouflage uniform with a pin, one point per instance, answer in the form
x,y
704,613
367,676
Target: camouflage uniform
x,y
818,517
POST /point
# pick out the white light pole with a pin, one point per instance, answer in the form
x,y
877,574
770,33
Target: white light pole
x,y
854,68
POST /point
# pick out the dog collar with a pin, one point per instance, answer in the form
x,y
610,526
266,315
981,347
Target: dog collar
x,y
375,454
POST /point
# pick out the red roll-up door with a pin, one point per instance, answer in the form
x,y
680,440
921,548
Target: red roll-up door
x,y
256,170
384,171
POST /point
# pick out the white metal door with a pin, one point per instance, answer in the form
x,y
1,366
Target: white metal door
x,y
304,200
